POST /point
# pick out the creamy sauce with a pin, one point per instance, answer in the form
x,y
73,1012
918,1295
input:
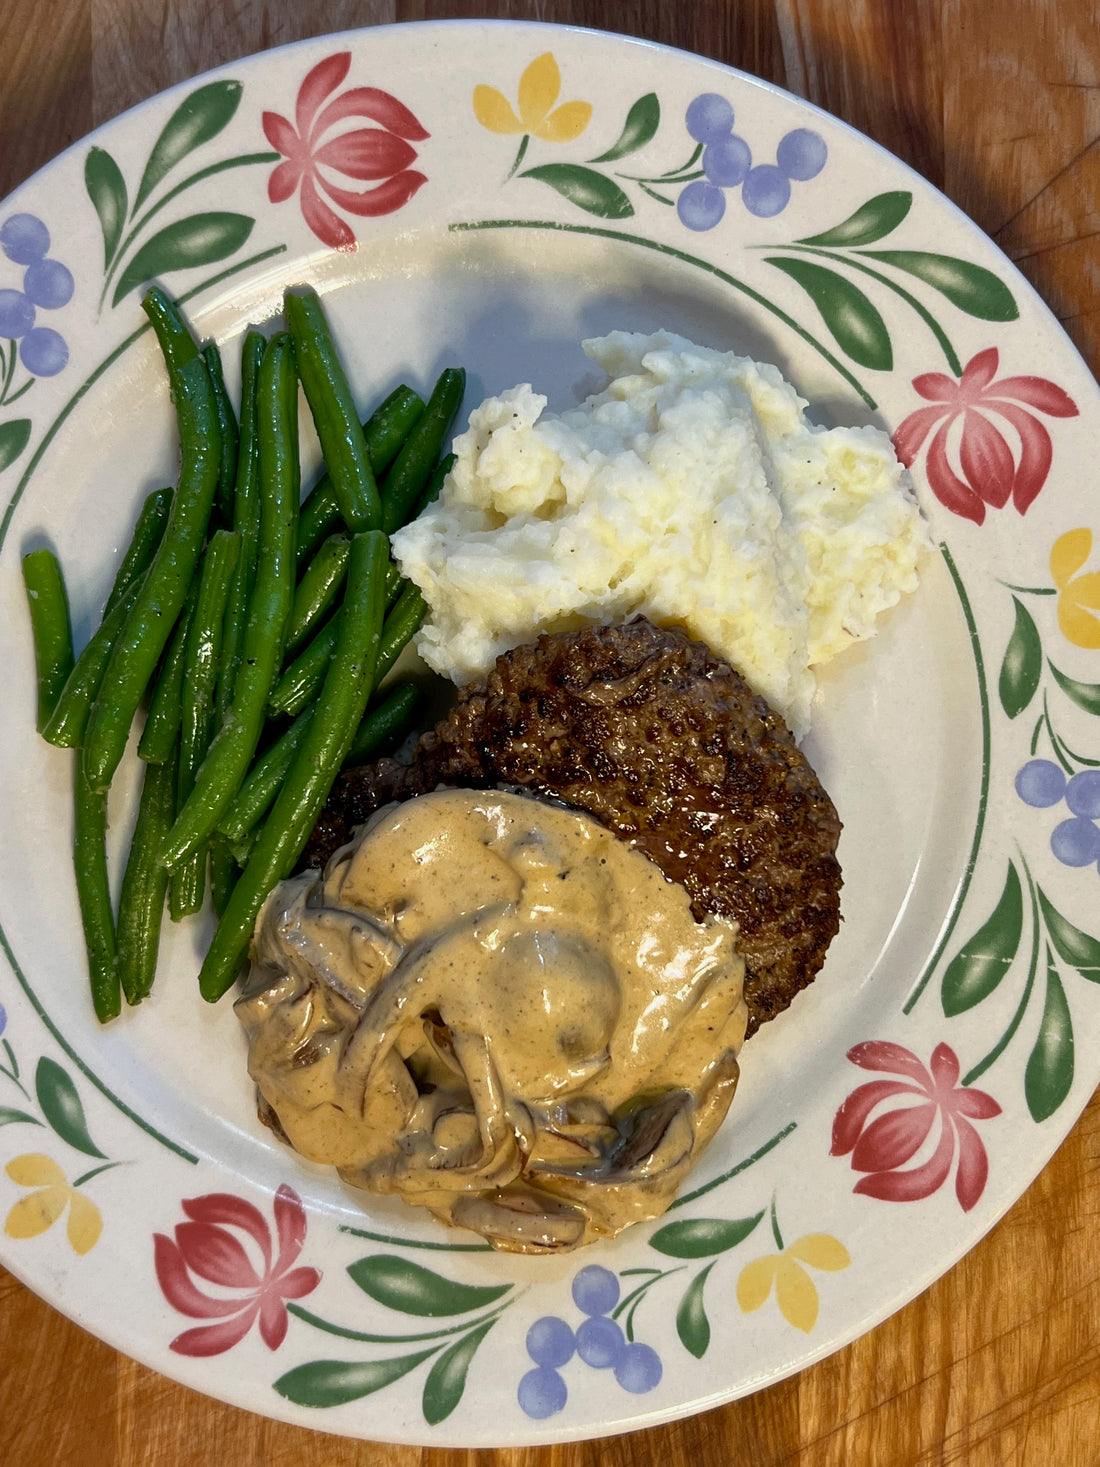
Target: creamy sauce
x,y
494,1008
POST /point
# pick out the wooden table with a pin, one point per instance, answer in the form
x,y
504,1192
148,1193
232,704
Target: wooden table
x,y
997,102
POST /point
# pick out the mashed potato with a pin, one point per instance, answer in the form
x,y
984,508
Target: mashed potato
x,y
692,490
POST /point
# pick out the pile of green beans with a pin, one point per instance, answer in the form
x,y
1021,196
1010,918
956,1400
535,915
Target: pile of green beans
x,y
253,627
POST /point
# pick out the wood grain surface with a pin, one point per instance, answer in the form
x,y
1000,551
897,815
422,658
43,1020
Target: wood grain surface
x,y
997,102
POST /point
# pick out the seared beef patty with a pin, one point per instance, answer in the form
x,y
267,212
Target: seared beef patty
x,y
669,748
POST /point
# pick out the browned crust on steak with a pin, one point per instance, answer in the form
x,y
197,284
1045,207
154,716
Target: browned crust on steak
x,y
666,745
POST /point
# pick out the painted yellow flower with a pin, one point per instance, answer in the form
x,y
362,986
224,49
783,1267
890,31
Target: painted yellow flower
x,y
795,1291
40,1209
1079,596
539,87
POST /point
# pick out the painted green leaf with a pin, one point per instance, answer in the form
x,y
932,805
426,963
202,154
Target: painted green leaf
x,y
399,1284
702,1237
335,1382
8,1117
972,288
1085,695
1071,944
107,190
447,1378
1049,1072
197,119
981,963
855,323
692,1324
586,188
872,220
201,239
641,123
1022,665
13,440
62,1108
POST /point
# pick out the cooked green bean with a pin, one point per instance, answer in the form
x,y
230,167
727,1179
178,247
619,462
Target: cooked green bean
x,y
389,720
246,521
148,533
395,584
301,680
401,624
298,683
94,893
162,724
320,516
53,634
177,345
242,849
388,426
187,886
224,870
70,716
386,723
264,781
144,882
412,469
328,393
231,752
69,719
385,431
435,483
227,425
338,713
200,674
153,615
317,590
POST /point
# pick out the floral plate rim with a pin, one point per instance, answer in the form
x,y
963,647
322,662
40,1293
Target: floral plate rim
x,y
985,442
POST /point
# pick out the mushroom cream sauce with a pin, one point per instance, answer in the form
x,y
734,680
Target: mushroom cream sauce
x,y
492,1007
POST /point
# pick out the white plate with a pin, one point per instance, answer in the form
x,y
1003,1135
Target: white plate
x,y
967,946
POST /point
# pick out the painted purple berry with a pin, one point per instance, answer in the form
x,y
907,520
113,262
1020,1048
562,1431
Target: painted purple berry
x,y
542,1392
550,1341
16,314
600,1342
1076,842
766,191
700,205
801,154
43,352
48,284
23,238
638,1368
727,161
709,117
1040,783
595,1290
1083,794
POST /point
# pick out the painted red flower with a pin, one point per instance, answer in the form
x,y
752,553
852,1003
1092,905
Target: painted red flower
x,y
381,155
882,1146
1003,451
209,1248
